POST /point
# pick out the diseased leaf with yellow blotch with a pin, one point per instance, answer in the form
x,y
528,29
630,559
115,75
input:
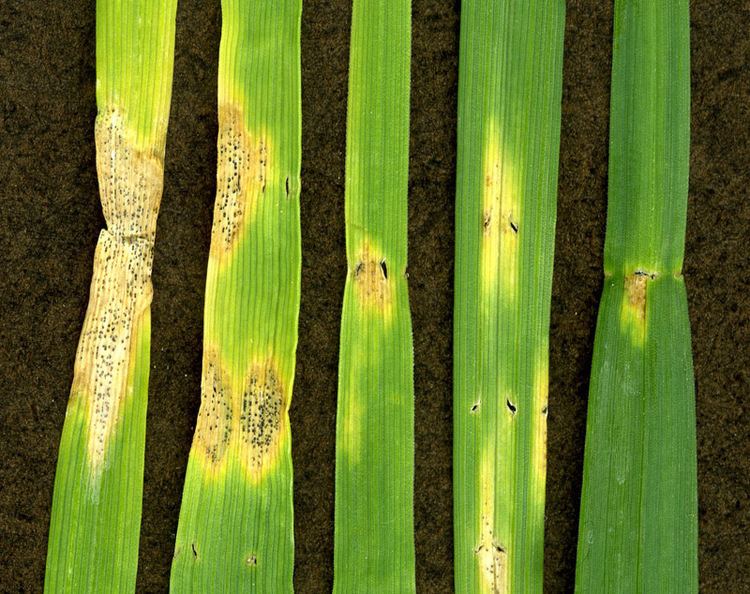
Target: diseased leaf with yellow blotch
x,y
96,507
235,532
510,86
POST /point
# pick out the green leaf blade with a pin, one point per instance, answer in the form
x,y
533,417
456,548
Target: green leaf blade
x,y
374,527
236,528
510,85
649,137
638,524
96,508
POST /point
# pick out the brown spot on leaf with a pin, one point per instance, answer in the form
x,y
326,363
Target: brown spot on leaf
x,y
487,220
635,289
371,282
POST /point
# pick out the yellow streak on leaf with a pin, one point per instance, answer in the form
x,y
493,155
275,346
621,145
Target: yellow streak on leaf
x,y
491,556
539,448
352,428
500,219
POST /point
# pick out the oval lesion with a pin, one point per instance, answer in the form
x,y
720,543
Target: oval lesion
x,y
246,418
241,176
262,414
213,430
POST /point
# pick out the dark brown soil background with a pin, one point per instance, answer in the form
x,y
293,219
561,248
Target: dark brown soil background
x,y
50,218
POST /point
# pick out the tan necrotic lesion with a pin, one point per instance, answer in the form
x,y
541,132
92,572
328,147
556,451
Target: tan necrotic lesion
x,y
130,182
633,310
372,286
214,428
241,177
242,419
493,560
262,409
130,179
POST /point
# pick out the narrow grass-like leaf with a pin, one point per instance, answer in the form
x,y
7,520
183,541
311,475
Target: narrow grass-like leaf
x,y
235,532
638,525
510,85
96,508
374,532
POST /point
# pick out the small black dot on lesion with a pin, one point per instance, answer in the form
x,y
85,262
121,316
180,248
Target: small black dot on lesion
x,y
260,413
